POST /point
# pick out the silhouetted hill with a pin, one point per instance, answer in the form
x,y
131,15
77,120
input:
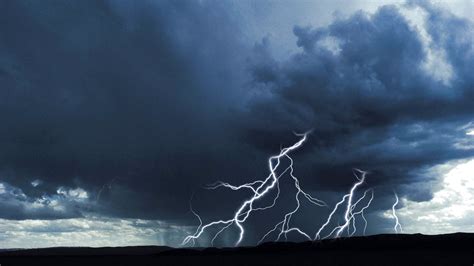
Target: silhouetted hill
x,y
417,249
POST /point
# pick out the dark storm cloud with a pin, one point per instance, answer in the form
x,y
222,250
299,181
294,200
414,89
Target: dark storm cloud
x,y
95,91
144,102
361,85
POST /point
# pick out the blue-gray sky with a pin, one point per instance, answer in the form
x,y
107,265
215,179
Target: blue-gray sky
x,y
115,112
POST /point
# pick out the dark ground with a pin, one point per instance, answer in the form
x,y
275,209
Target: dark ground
x,y
453,249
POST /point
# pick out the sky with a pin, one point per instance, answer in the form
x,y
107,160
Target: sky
x,y
116,114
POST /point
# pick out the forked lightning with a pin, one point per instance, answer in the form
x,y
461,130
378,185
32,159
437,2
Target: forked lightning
x,y
261,188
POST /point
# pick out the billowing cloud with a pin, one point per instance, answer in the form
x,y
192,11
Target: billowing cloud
x,y
370,91
65,203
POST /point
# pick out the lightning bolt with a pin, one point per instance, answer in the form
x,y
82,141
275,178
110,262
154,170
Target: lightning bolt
x,y
398,227
284,225
259,189
349,214
197,216
361,211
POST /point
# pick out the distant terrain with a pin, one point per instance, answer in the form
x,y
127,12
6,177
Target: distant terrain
x,y
451,249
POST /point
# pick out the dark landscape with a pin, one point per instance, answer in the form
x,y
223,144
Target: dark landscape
x,y
403,249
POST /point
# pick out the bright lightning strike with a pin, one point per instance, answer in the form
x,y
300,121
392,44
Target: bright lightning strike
x,y
361,211
284,225
259,189
398,227
349,214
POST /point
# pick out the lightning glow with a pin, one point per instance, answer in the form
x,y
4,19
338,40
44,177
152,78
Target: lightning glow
x,y
398,227
259,189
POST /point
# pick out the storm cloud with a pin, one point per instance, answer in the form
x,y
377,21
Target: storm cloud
x,y
139,104
97,91
362,84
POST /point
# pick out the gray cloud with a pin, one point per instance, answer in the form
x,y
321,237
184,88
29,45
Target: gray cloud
x,y
65,203
138,93
361,85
